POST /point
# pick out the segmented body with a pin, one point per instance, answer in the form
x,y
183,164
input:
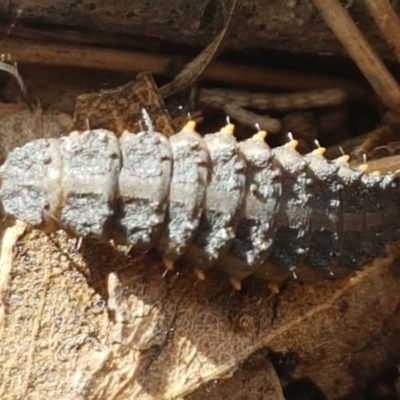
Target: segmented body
x,y
209,202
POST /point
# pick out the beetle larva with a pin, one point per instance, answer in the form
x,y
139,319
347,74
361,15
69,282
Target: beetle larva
x,y
211,202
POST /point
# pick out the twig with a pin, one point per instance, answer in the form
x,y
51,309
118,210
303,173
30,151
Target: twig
x,y
362,53
268,101
43,53
387,21
9,237
192,72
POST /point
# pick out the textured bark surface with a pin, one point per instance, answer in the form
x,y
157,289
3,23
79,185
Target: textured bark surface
x,y
292,25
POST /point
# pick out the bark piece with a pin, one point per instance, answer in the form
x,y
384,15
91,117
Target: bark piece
x,y
279,24
120,109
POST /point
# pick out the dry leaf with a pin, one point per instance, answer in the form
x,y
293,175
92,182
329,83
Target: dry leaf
x,y
164,337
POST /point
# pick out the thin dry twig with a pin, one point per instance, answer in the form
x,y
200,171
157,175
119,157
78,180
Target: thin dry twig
x,y
192,72
268,101
361,52
10,235
387,21
234,103
61,54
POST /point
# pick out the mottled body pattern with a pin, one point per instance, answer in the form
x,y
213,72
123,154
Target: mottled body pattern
x,y
209,202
